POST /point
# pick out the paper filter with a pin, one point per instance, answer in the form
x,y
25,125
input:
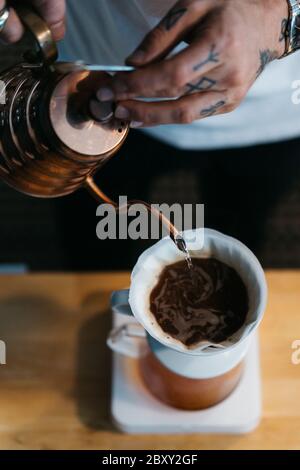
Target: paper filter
x,y
226,249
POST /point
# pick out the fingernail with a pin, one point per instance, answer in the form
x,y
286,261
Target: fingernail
x,y
105,94
137,56
58,30
122,113
136,124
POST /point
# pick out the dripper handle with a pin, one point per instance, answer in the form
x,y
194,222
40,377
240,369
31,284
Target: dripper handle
x,y
119,302
128,338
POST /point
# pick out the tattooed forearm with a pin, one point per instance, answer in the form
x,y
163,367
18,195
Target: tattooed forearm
x,y
206,112
284,29
213,56
203,84
173,17
266,57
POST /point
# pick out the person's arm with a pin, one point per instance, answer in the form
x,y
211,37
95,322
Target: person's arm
x,y
53,12
230,42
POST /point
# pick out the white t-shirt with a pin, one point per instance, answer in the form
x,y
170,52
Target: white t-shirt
x,y
107,31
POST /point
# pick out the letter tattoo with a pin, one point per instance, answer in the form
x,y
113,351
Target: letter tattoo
x,y
206,112
203,84
284,30
173,17
213,56
266,57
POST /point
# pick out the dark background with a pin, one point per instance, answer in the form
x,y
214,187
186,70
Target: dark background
x,y
252,194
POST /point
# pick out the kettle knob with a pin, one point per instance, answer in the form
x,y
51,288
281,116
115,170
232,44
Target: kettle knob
x,y
70,111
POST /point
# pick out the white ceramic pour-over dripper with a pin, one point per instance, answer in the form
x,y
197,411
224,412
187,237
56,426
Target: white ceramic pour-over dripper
x,y
229,250
205,360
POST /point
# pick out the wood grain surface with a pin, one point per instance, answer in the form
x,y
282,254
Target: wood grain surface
x,y
55,387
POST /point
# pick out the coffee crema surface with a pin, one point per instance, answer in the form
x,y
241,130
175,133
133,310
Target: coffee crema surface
x,y
207,302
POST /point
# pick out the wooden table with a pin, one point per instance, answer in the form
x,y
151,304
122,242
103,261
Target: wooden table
x,y
55,387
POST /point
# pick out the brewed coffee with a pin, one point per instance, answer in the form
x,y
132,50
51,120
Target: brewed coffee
x,y
208,301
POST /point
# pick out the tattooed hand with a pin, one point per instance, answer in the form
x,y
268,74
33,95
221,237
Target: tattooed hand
x,y
229,44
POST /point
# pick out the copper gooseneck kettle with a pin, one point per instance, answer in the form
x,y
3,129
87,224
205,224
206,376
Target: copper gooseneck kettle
x,y
51,140
50,143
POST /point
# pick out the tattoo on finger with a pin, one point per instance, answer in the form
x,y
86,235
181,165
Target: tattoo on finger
x,y
203,84
173,17
266,56
284,30
211,110
213,57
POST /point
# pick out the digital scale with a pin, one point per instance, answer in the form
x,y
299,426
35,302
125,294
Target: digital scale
x,y
135,411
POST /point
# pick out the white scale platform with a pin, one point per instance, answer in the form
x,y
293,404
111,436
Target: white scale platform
x,y
136,411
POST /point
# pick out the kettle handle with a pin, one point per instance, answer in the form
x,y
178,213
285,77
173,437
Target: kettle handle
x,y
41,32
